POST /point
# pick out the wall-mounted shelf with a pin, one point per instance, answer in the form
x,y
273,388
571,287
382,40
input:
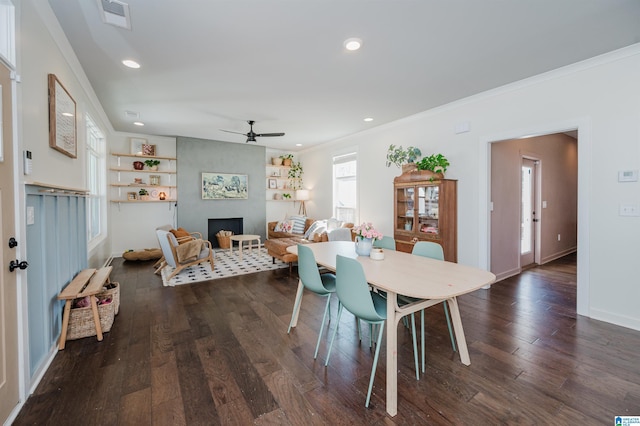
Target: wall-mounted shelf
x,y
166,183
155,157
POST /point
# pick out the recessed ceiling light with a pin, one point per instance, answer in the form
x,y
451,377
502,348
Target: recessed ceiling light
x,y
298,144
138,123
368,119
352,43
131,63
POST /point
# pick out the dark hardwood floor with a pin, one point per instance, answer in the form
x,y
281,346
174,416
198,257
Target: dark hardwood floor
x,y
218,353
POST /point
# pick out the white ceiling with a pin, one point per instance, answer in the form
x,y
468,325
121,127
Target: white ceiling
x,y
213,64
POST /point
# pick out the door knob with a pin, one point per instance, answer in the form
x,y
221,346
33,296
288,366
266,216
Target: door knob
x,y
12,242
15,264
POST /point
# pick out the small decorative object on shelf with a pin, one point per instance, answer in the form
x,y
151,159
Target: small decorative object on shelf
x,y
148,149
287,159
132,196
138,165
154,179
162,195
152,164
366,234
144,194
276,161
286,196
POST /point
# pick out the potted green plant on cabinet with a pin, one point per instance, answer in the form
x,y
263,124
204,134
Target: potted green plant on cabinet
x,y
403,158
436,163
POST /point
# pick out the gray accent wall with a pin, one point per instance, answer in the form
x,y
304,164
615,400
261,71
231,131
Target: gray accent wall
x,y
195,156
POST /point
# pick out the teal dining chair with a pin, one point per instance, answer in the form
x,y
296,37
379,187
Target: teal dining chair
x,y
321,284
433,251
385,243
354,295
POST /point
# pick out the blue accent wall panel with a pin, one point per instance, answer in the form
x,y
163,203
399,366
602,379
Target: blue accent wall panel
x,y
56,252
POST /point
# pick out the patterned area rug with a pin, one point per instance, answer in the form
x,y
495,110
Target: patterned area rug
x,y
225,265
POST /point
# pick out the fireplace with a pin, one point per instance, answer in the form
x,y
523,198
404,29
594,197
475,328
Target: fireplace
x,y
233,224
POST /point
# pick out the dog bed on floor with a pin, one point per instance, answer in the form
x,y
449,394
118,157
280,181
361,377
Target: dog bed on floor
x,y
142,254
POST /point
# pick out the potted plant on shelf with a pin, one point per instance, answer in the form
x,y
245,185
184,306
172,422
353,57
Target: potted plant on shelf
x,y
144,194
286,196
276,161
295,174
152,164
403,158
287,159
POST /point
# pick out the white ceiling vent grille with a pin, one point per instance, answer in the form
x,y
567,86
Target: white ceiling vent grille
x,y
115,13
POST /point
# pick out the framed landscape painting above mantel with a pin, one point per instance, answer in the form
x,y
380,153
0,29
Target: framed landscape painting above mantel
x,y
62,119
224,186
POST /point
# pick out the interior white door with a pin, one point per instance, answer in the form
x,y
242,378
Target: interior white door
x,y
8,286
528,217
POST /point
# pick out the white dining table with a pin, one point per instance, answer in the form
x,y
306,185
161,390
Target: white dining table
x,y
432,281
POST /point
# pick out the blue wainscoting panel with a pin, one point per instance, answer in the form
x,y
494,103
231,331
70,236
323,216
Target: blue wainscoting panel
x,y
56,252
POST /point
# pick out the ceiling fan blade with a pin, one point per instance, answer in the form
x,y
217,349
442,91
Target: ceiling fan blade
x,y
229,131
269,134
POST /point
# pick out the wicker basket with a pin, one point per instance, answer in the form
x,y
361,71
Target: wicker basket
x,y
224,241
81,319
115,296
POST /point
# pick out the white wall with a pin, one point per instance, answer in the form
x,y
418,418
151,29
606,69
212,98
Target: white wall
x,y
133,225
598,96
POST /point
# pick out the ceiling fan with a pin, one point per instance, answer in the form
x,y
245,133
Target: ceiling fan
x,y
251,136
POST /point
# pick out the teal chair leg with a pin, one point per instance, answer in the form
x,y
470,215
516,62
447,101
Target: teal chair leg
x,y
375,364
296,306
446,314
333,336
422,337
327,308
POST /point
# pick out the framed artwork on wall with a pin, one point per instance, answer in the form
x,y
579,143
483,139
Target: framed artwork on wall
x,y
224,186
273,184
136,145
62,119
148,149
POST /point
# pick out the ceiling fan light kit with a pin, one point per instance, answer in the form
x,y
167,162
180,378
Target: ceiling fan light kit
x,y
251,136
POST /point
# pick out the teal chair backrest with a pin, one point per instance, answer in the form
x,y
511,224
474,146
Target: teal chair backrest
x,y
385,243
308,270
353,290
428,249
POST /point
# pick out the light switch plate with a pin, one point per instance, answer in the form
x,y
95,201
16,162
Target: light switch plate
x,y
628,176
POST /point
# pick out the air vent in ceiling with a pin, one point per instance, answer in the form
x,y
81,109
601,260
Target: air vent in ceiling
x,y
115,13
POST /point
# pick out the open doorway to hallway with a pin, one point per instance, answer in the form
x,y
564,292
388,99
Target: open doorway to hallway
x,y
539,209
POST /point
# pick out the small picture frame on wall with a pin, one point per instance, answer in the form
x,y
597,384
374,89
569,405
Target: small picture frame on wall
x,y
136,145
273,184
148,149
62,119
132,196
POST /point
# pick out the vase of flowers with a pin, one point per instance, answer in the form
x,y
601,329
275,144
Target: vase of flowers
x,y
366,234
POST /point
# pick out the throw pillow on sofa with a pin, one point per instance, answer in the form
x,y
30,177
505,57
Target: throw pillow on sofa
x,y
317,227
298,224
283,226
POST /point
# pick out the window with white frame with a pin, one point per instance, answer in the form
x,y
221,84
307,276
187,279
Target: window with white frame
x,y
96,177
345,187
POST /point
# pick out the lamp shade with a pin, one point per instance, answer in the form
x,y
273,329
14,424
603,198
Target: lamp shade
x,y
302,194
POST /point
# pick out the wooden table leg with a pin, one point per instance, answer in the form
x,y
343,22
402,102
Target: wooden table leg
x,y
392,355
96,317
65,324
457,328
